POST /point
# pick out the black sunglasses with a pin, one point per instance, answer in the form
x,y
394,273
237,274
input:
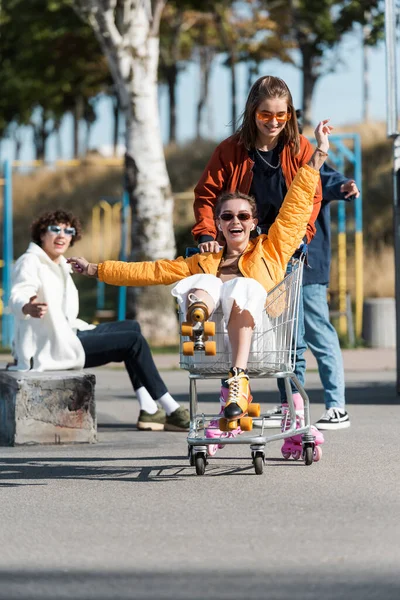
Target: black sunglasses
x,y
242,216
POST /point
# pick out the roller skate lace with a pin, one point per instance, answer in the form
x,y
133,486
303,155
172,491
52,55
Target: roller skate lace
x,y
235,384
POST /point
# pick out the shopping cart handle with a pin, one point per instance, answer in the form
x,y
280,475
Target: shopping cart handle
x,y
190,251
302,251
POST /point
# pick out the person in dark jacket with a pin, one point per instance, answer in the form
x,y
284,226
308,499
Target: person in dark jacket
x,y
320,335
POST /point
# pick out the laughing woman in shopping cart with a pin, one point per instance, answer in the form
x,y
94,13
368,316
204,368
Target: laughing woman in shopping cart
x,y
239,276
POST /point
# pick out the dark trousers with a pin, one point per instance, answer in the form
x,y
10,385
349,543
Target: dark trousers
x,y
122,341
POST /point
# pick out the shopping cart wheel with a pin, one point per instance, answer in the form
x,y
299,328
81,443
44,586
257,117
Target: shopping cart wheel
x,y
254,409
308,455
188,348
209,328
186,329
246,423
191,456
210,348
200,463
258,461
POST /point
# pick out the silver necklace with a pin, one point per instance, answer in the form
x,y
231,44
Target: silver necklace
x,y
267,163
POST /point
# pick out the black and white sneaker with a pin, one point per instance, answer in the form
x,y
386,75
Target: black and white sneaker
x,y
333,418
272,419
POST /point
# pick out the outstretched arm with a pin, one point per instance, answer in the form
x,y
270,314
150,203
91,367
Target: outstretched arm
x,y
114,272
288,230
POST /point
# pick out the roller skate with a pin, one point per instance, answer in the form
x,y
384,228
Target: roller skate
x,y
198,328
293,446
238,410
213,430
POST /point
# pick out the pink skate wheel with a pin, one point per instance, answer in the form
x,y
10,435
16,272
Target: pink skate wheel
x,y
296,454
212,449
317,453
285,454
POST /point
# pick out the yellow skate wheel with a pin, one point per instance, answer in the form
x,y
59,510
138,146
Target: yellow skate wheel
x,y
198,314
186,329
210,348
246,423
209,328
223,424
232,425
188,348
254,410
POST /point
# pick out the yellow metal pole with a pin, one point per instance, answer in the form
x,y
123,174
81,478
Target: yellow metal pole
x,y
359,256
342,272
96,239
116,218
107,229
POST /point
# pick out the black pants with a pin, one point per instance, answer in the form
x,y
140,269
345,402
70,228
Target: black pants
x,y
123,341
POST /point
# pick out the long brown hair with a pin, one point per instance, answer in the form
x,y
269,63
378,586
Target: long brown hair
x,y
268,87
225,196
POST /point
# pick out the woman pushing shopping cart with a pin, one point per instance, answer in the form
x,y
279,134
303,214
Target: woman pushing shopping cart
x,y
237,280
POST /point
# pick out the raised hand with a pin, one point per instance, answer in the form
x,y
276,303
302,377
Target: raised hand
x,y
37,310
350,189
321,133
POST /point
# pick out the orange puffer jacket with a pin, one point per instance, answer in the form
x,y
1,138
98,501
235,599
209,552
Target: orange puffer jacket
x,y
264,259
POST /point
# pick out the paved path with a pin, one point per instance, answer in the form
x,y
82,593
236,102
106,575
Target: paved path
x,y
127,518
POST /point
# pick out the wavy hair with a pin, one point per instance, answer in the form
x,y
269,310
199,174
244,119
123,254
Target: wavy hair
x,y
40,225
264,88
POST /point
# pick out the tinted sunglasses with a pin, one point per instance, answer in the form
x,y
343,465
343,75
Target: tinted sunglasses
x,y
56,230
242,216
266,116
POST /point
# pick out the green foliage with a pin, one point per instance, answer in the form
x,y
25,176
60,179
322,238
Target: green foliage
x,y
48,59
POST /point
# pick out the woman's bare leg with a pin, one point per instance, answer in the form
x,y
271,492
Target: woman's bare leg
x,y
240,331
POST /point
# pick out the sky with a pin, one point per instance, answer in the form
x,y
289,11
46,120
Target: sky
x,y
338,96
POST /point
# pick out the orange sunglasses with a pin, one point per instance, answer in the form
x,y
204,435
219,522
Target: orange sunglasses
x,y
266,116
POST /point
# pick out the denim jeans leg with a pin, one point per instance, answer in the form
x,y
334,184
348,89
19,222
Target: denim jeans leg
x,y
122,341
323,341
300,367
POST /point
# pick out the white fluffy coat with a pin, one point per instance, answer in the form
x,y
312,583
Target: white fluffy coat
x,y
49,343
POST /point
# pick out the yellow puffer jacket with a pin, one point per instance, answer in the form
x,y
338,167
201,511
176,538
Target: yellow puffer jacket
x,y
264,259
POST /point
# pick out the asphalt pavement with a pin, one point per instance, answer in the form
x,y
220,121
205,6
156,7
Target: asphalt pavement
x,y
127,517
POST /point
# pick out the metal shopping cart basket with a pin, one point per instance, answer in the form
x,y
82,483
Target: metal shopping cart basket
x,y
272,355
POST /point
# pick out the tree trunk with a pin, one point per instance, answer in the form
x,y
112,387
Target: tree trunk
x,y
77,116
172,75
116,109
309,80
206,56
128,32
233,89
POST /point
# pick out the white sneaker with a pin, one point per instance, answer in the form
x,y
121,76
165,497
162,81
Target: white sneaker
x,y
333,418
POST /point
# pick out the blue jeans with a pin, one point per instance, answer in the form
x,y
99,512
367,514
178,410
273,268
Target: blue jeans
x,y
322,339
122,341
301,347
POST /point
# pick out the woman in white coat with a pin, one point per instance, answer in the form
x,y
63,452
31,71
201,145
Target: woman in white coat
x,y
50,336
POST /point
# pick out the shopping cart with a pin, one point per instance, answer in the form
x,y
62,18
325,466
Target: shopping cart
x,y
272,355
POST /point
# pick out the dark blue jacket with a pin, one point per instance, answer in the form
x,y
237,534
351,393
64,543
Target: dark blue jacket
x,y
319,249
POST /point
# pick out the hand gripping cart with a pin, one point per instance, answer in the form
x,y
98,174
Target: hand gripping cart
x,y
272,355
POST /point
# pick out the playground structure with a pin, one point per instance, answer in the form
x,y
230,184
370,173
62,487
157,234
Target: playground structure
x,y
111,224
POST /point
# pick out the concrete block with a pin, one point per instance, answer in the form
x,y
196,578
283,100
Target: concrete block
x,y
379,322
54,407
